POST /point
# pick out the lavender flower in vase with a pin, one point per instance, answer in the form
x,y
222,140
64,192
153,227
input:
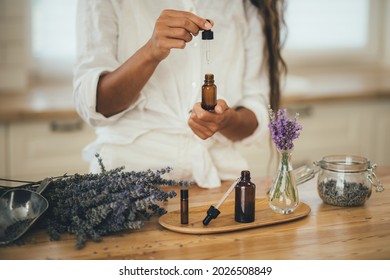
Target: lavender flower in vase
x,y
283,195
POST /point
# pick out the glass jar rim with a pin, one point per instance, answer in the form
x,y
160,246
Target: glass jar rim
x,y
344,163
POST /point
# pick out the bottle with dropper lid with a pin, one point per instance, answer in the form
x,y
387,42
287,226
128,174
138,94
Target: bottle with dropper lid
x,y
209,89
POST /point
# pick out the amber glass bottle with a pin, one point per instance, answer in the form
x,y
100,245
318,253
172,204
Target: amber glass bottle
x,y
184,206
209,93
245,193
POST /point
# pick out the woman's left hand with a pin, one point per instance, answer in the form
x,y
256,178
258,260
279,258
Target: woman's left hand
x,y
206,123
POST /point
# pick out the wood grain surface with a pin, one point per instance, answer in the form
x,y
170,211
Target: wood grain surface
x,y
328,232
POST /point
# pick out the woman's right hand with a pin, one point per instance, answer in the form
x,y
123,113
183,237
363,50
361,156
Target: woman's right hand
x,y
118,89
172,30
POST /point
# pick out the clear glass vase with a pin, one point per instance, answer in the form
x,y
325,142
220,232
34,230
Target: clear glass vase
x,y
283,195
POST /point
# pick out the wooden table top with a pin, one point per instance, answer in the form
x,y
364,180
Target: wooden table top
x,y
328,232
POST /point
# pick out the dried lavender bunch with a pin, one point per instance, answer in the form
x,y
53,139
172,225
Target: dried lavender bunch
x,y
283,130
93,205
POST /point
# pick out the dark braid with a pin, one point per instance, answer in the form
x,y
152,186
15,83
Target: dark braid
x,y
271,13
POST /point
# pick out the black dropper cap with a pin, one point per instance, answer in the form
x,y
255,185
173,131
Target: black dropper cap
x,y
212,213
207,34
245,175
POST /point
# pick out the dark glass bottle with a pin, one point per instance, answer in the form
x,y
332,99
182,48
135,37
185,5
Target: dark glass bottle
x,y
209,93
184,206
245,196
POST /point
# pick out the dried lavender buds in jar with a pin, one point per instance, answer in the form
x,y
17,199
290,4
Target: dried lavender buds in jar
x,y
346,180
344,194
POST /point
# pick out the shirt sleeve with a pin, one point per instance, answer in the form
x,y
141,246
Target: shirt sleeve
x,y
255,86
96,54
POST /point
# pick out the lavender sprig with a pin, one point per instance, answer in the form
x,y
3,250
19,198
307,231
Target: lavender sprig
x,y
283,130
93,205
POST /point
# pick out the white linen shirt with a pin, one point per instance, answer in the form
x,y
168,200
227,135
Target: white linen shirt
x,y
110,31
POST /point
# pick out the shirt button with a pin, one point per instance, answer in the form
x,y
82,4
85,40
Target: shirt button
x,y
195,45
193,84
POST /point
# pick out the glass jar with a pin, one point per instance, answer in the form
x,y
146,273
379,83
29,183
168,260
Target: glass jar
x,y
346,180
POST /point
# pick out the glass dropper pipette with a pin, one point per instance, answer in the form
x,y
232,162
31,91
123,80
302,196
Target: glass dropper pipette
x,y
208,35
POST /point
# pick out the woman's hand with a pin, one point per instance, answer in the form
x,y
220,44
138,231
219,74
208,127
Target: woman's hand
x,y
205,123
173,29
233,124
118,89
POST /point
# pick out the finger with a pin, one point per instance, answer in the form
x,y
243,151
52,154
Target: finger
x,y
203,115
163,40
211,22
198,117
165,34
221,106
189,21
201,131
175,27
206,127
207,119
169,43
179,33
199,21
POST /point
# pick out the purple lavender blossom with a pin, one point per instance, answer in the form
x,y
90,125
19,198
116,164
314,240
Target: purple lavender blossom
x,y
93,205
283,130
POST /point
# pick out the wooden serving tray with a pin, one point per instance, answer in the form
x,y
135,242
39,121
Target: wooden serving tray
x,y
225,221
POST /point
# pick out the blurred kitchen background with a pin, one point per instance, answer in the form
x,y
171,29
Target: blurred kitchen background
x,y
337,51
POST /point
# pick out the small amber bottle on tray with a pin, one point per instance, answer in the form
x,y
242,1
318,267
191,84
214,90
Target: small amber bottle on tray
x,y
209,93
184,206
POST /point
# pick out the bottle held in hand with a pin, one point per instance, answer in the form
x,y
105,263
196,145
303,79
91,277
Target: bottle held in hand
x,y
209,93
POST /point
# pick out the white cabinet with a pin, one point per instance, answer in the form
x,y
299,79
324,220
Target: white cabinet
x,y
360,127
32,150
382,147
376,132
328,128
39,149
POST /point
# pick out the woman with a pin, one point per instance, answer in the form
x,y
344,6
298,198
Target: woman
x,y
140,67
